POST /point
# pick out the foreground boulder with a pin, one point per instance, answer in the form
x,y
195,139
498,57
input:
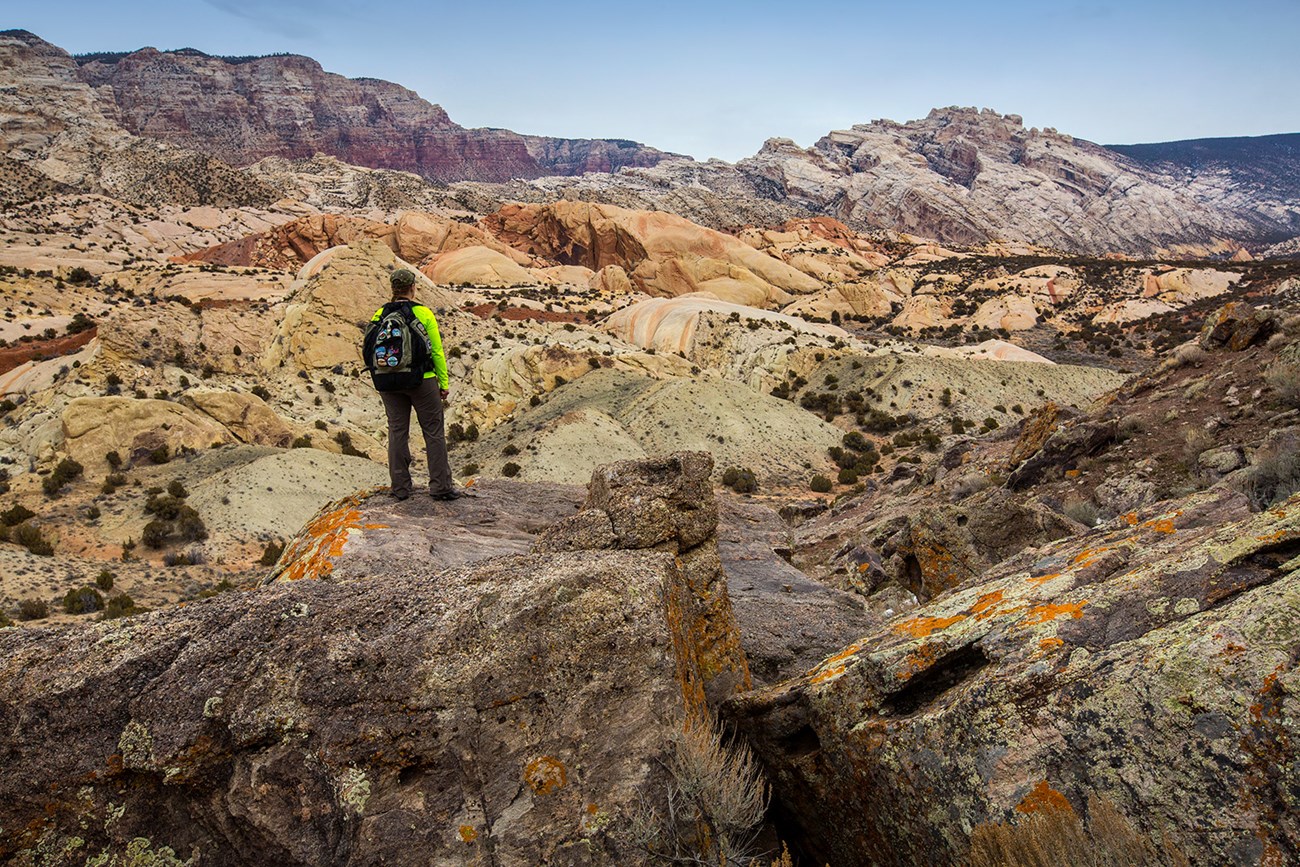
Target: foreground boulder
x,y
514,711
1139,679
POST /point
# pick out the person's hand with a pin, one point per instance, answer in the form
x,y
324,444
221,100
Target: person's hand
x,y
443,393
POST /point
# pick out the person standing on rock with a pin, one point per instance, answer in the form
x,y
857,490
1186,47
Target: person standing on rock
x,y
403,352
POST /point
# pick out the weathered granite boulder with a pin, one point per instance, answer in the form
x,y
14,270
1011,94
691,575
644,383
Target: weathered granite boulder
x,y
1143,674
513,711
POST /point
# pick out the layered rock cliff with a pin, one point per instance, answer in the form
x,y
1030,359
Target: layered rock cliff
x,y
245,109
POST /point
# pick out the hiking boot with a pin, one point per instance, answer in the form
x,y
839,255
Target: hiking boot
x,y
398,496
447,495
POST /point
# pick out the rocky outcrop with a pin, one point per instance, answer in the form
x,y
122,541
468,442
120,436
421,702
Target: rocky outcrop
x,y
666,504
1144,670
135,429
516,710
662,254
56,129
242,110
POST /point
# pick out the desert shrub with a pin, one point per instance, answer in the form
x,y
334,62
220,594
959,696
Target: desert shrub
x,y
113,459
261,392
112,482
714,806
30,537
15,515
189,526
1188,355
164,506
878,421
32,609
154,535
4,620
177,490
857,442
469,469
1082,511
344,439
65,472
7,406
160,455
117,606
847,477
820,484
271,553
320,425
511,469
740,479
93,513
1273,475
1196,441
510,450
535,400
104,580
79,275
1284,379
177,558
302,442
86,600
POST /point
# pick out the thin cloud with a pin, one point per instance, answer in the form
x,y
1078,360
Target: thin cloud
x,y
297,19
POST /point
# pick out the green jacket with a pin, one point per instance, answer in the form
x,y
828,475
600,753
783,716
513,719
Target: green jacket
x,y
425,315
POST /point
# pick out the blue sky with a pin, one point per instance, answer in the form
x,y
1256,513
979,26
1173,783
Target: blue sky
x,y
717,78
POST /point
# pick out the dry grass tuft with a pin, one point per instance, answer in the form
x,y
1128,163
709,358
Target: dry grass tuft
x,y
713,807
1058,838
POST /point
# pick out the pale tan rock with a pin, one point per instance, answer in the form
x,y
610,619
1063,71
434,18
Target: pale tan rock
x,y
924,311
246,416
1130,310
1011,312
479,266
94,426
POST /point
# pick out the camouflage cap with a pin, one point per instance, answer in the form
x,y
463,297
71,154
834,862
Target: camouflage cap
x,y
401,279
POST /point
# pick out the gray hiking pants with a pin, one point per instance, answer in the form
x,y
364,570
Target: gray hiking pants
x,y
427,404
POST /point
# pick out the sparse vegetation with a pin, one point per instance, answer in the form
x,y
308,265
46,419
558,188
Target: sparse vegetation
x,y
32,609
740,479
271,553
713,807
65,472
511,469
819,484
86,600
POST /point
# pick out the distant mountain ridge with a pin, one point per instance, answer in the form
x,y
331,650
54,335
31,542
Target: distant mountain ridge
x,y
244,109
1264,169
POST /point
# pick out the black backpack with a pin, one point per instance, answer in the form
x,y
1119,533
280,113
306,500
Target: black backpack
x,y
397,350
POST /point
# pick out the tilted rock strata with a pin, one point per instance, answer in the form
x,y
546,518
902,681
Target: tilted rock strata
x,y
245,109
1149,662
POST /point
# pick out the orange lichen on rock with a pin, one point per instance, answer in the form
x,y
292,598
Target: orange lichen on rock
x,y
921,627
985,605
545,774
312,555
1044,613
1044,799
1165,525
1043,579
468,834
1050,643
833,666
1086,557
1131,519
919,660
